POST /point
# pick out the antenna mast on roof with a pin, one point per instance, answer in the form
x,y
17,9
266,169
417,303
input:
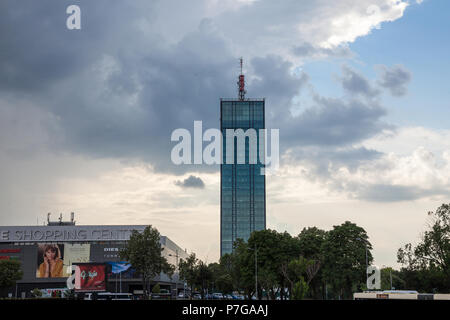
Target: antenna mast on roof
x,y
241,83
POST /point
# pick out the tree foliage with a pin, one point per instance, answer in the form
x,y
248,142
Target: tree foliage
x,y
10,272
386,275
299,267
426,266
156,289
311,242
188,270
300,289
144,252
345,258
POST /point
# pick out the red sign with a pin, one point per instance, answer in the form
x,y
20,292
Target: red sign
x,y
9,250
90,277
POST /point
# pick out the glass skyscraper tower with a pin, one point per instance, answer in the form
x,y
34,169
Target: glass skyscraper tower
x,y
243,187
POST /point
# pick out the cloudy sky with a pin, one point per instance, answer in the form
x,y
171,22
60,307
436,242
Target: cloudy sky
x,y
358,89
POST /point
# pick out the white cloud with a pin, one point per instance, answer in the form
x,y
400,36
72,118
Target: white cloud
x,y
409,164
271,27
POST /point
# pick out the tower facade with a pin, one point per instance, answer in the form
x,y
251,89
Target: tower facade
x,y
243,186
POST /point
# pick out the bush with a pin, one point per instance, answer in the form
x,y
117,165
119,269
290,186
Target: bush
x,y
36,293
300,289
156,288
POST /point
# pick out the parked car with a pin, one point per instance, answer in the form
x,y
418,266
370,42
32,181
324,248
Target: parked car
x,y
197,296
217,295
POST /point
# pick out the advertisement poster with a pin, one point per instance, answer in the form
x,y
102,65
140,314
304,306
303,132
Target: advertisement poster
x,y
75,253
50,263
90,277
55,260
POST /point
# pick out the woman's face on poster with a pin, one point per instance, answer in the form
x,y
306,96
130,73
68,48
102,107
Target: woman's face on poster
x,y
50,254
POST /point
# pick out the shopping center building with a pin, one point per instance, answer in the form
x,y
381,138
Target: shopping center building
x,y
78,244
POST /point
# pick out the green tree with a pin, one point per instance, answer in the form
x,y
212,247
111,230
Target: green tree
x,y
188,269
203,276
389,273
427,265
266,252
232,267
300,289
306,262
274,250
433,251
36,293
144,252
221,280
345,259
10,272
156,289
243,267
296,272
311,241
224,283
196,273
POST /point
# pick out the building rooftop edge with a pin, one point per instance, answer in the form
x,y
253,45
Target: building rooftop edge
x,y
77,225
246,99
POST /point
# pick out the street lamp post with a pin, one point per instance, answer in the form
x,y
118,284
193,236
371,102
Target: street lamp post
x,y
176,266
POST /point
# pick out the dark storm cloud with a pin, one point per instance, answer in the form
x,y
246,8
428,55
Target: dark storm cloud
x,y
395,79
117,89
191,182
275,82
38,50
355,83
335,122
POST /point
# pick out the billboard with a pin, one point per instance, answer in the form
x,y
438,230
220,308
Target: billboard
x,y
55,260
90,277
50,263
75,253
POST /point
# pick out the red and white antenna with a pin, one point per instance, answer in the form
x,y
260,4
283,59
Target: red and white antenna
x,y
241,83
